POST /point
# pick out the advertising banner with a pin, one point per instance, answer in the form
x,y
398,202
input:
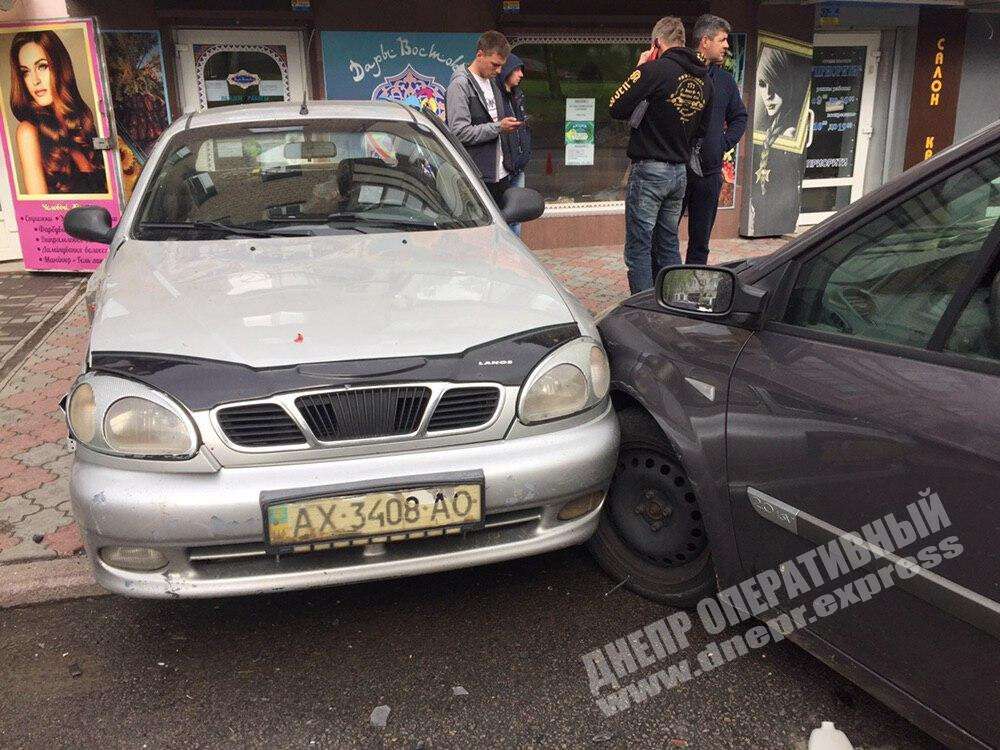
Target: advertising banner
x,y
139,95
409,68
579,132
54,119
838,78
936,79
781,127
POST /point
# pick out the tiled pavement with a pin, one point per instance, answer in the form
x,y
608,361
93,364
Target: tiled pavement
x,y
26,301
35,520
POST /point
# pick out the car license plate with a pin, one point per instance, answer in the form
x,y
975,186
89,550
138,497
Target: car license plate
x,y
386,515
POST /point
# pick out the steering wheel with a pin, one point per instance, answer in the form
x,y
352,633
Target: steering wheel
x,y
858,313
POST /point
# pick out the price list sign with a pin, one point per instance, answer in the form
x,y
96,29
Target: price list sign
x,y
838,77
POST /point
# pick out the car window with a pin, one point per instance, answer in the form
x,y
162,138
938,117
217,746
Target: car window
x,y
378,175
977,331
892,279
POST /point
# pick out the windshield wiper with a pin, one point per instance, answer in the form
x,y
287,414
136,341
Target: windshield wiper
x,y
349,217
223,227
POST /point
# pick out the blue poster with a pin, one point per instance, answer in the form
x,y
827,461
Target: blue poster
x,y
409,68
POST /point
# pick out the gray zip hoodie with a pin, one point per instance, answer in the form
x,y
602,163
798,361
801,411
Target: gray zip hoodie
x,y
469,119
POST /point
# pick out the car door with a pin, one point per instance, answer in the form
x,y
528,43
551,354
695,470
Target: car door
x,y
875,384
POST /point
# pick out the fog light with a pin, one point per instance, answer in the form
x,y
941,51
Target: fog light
x,y
133,558
580,506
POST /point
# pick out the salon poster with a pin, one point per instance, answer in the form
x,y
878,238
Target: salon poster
x,y
410,68
580,132
781,127
139,96
53,108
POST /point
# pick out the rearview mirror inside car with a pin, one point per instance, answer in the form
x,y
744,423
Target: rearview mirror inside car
x,y
696,289
310,150
521,204
90,223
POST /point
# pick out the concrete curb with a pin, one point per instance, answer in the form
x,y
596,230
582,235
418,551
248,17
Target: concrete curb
x,y
47,581
12,361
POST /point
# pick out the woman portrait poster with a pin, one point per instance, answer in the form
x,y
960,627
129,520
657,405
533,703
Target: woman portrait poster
x,y
781,127
48,101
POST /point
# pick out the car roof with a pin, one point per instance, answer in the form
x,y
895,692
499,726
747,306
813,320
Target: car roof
x,y
317,110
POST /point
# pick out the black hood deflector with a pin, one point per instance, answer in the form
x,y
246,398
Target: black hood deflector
x,y
201,384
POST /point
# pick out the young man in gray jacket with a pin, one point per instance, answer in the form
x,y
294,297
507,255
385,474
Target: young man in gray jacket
x,y
474,111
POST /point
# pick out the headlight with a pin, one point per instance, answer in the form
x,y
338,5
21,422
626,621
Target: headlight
x,y
125,418
571,379
560,391
140,427
600,372
82,414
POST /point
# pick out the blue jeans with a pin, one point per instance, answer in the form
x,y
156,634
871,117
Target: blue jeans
x,y
517,182
653,202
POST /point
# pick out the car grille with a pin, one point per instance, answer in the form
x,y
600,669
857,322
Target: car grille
x,y
364,413
461,408
259,426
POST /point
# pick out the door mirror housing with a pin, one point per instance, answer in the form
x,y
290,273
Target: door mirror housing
x,y
521,204
707,291
90,223
696,289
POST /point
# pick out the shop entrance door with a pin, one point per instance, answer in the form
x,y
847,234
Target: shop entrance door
x,y
220,68
842,104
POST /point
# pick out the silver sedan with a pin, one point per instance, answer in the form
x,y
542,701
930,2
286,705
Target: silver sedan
x,y
319,355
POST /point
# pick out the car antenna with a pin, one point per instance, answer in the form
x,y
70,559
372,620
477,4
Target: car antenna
x,y
304,110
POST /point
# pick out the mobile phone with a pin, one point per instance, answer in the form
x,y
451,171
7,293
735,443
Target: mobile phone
x,y
656,51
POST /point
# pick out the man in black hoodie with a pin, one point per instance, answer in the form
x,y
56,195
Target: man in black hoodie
x,y
727,121
516,143
666,97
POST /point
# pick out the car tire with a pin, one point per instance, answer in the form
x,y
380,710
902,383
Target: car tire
x,y
670,563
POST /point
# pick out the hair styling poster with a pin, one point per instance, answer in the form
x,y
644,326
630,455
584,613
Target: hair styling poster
x,y
54,115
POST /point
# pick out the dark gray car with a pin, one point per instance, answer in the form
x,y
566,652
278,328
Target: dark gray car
x,y
841,396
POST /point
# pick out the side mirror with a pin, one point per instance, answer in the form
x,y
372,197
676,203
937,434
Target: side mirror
x,y
696,289
521,204
91,223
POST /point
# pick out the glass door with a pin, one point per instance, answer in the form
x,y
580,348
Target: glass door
x,y
843,96
222,68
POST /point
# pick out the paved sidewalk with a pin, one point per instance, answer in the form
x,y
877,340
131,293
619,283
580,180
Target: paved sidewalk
x,y
28,303
35,519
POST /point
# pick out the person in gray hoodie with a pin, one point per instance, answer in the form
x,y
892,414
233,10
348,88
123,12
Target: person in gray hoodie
x,y
474,111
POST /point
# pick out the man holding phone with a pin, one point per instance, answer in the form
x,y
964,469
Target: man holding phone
x,y
665,98
517,143
474,111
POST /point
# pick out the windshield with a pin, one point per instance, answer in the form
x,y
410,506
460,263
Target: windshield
x,y
306,177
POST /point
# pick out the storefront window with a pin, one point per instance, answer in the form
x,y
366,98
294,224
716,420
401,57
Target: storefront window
x,y
241,74
563,167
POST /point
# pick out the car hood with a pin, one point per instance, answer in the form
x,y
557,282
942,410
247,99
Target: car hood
x,y
278,301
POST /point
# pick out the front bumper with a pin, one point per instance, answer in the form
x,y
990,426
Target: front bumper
x,y
210,526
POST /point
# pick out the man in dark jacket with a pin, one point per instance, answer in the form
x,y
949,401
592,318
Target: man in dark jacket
x,y
474,111
666,97
517,143
727,121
